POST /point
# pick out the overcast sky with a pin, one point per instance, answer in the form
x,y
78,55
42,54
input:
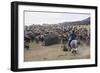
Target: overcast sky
x,y
52,18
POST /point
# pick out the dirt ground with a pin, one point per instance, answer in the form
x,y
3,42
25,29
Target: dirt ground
x,y
37,52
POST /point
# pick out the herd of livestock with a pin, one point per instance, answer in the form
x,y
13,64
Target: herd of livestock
x,y
54,34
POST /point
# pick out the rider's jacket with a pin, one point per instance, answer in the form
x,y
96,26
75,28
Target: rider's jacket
x,y
72,36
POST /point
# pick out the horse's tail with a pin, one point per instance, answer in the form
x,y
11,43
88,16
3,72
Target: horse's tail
x,y
74,44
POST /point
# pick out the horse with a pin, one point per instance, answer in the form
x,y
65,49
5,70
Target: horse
x,y
74,46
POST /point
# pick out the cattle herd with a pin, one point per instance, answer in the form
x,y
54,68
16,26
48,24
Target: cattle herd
x,y
50,34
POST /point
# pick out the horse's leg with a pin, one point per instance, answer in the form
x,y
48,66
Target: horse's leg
x,y
74,52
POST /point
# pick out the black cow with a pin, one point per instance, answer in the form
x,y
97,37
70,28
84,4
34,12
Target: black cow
x,y
51,39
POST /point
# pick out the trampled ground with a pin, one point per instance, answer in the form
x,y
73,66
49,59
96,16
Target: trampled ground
x,y
38,52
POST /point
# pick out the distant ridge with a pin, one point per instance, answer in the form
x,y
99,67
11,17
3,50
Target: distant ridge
x,y
82,22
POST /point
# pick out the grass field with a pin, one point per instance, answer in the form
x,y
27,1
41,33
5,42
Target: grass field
x,y
54,52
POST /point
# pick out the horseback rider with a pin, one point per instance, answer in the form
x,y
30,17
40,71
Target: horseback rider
x,y
72,36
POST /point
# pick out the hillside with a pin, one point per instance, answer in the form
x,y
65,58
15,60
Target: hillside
x,y
82,22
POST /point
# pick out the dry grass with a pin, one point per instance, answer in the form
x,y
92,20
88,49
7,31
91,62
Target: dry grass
x,y
38,52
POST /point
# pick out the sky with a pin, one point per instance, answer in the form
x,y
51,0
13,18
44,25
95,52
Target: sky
x,y
52,17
